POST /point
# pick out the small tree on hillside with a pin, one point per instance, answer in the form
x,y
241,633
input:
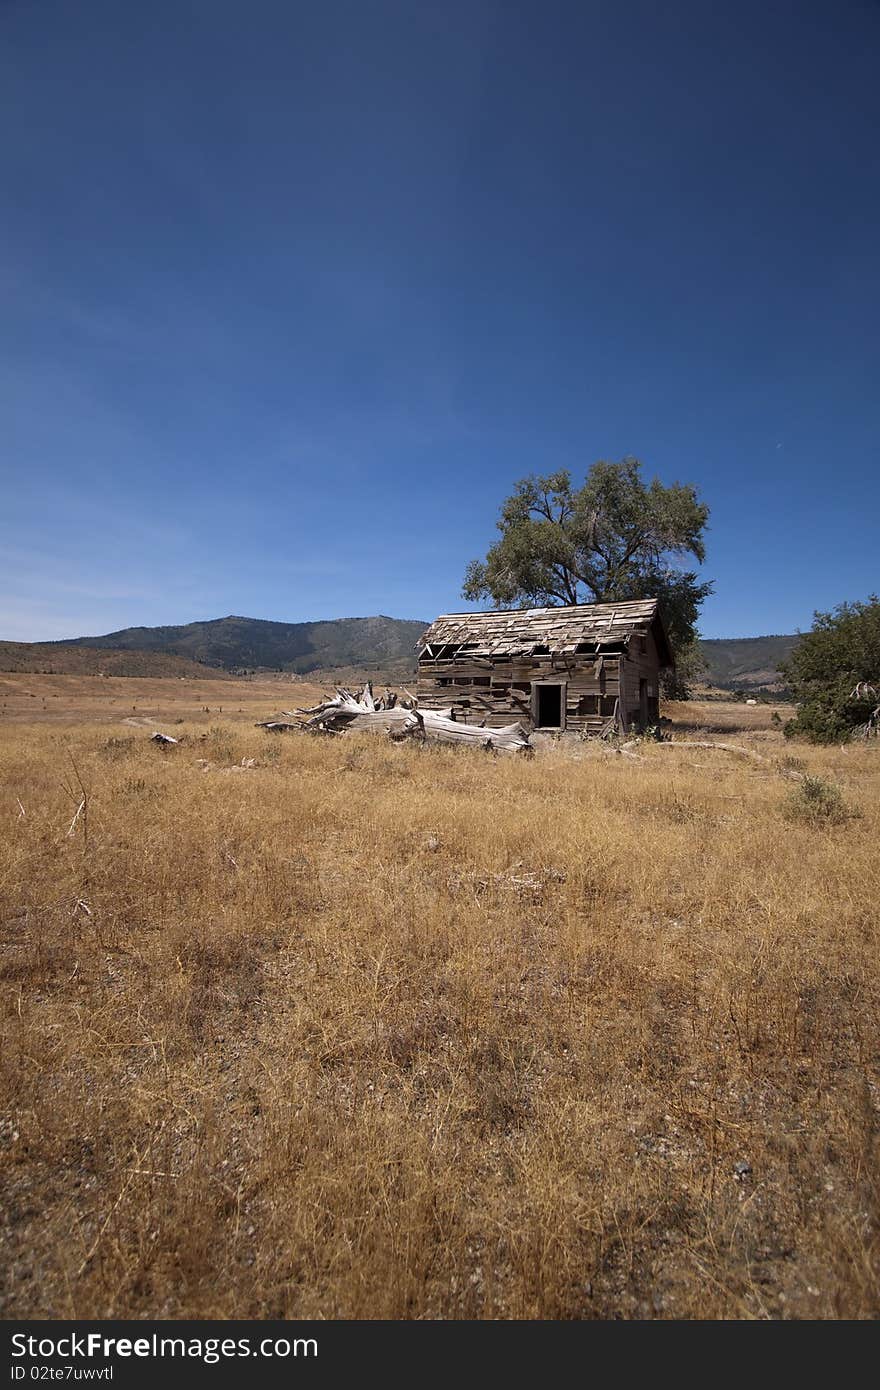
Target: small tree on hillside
x,y
834,672
611,540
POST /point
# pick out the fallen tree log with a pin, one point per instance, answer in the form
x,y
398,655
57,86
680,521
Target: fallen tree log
x,y
430,724
387,721
722,747
400,720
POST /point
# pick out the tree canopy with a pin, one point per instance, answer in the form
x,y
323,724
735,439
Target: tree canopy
x,y
834,673
615,538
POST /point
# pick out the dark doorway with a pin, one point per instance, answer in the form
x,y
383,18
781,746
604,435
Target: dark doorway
x,y
548,714
643,703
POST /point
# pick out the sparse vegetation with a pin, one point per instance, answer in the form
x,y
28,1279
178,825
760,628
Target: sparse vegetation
x,y
367,1030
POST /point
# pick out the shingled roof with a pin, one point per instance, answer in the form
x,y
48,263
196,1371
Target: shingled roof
x,y
521,632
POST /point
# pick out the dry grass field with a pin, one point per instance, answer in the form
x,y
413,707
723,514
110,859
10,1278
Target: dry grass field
x,y
37,698
367,1030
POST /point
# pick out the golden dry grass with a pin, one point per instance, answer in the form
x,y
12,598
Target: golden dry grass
x,y
369,1030
145,701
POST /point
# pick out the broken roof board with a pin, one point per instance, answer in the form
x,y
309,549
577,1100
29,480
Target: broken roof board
x,y
518,632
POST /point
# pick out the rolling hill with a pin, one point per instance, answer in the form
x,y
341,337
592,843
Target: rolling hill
x,y
741,662
237,644
51,659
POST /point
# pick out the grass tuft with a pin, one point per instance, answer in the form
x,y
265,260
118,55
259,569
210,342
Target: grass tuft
x,y
814,801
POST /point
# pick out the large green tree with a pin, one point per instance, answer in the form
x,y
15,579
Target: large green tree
x,y
613,539
834,673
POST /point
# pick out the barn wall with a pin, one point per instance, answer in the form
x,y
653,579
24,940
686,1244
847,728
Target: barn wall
x,y
499,691
642,664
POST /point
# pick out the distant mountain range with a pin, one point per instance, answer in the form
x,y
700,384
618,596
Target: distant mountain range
x,y
255,644
378,644
741,662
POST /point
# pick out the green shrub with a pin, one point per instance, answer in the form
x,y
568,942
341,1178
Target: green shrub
x,y
833,671
817,802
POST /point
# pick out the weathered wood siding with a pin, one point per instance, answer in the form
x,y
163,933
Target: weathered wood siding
x,y
500,691
642,664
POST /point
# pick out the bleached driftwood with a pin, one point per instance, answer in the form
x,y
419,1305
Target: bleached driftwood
x,y
722,747
388,721
701,743
343,709
433,724
400,720
865,690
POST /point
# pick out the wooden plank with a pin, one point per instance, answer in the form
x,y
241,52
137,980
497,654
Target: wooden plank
x,y
621,686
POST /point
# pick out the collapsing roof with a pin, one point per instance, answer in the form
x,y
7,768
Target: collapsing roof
x,y
524,632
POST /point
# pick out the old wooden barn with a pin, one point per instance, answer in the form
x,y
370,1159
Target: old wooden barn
x,y
573,668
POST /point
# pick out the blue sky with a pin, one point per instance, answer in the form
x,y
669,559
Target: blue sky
x,y
291,294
